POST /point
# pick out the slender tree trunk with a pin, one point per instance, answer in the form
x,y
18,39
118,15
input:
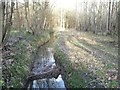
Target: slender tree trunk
x,y
0,41
108,19
26,15
118,27
61,19
3,18
1,23
18,16
44,23
9,21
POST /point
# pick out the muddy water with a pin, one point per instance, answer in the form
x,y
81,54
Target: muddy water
x,y
45,61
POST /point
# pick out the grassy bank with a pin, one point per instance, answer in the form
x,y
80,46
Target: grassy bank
x,y
88,60
16,63
70,75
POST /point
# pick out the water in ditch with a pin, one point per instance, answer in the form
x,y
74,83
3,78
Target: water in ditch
x,y
43,62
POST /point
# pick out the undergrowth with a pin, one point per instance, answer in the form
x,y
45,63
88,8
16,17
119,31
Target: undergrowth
x,y
70,74
16,64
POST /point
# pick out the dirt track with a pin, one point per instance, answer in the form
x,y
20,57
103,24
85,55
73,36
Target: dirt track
x,y
85,51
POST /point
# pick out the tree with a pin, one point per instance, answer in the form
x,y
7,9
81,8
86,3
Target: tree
x,y
18,16
1,22
41,19
108,17
6,25
27,14
118,27
70,19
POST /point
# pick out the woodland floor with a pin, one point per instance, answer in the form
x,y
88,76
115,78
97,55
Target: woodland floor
x,y
88,60
92,59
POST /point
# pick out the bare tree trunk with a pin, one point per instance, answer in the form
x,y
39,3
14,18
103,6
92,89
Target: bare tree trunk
x,y
53,73
26,15
44,23
18,16
1,41
8,24
1,18
76,22
108,18
94,23
61,18
118,27
85,17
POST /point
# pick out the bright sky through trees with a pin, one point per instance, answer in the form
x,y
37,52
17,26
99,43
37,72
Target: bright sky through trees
x,y
67,4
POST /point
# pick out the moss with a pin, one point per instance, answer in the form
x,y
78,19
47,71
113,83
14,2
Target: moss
x,y
71,76
100,73
113,84
23,56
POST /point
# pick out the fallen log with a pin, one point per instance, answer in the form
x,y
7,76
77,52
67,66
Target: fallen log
x,y
53,73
